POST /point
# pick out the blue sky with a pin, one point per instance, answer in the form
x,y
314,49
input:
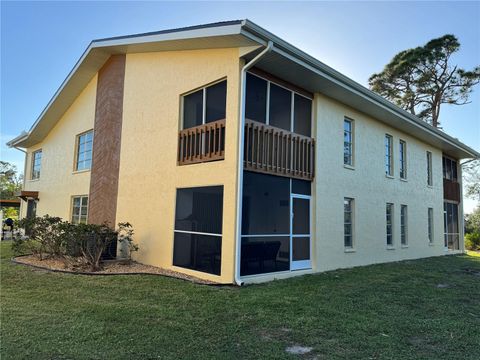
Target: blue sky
x,y
41,41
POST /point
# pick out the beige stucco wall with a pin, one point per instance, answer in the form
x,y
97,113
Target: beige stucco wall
x,y
58,181
149,175
371,189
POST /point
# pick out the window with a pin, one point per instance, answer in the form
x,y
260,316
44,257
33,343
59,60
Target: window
x,y
84,151
389,222
79,209
302,121
256,99
451,232
404,225
272,104
205,105
430,225
348,223
198,229
449,169
388,155
429,169
280,107
36,164
348,142
403,159
265,207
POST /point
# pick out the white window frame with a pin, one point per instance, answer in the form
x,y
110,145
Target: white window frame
x,y
77,152
351,224
351,164
81,197
388,145
300,264
404,225
430,228
429,169
33,173
390,216
403,159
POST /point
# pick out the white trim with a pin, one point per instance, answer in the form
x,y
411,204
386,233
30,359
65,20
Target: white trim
x,y
197,233
265,235
267,103
292,111
300,264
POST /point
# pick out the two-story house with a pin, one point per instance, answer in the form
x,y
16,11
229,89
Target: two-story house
x,y
239,158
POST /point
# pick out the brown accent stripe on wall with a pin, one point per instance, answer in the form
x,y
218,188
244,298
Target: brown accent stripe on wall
x,y
102,204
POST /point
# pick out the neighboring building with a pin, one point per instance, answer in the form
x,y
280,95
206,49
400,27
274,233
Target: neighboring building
x,y
239,158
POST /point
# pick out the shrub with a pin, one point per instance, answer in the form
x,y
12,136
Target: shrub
x,y
472,241
92,240
79,245
22,245
45,236
125,239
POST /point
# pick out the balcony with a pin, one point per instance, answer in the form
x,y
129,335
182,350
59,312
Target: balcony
x,y
275,151
451,190
202,143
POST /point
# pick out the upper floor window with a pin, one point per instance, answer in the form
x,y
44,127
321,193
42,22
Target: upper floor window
x,y
205,105
429,169
84,151
389,224
388,155
403,159
404,225
272,104
348,142
449,169
79,209
348,223
36,164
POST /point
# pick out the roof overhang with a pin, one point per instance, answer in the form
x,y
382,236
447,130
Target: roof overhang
x,y
27,195
295,66
222,35
285,61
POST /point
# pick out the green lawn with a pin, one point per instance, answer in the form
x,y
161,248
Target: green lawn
x,y
380,312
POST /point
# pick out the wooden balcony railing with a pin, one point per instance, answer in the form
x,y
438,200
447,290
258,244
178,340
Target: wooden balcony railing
x,y
279,152
202,143
451,190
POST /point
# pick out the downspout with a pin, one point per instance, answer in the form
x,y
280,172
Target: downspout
x,y
241,138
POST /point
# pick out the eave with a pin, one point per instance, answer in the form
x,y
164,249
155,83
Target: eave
x,y
285,61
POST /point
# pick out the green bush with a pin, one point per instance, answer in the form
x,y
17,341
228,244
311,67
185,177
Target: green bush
x,y
472,241
45,234
79,245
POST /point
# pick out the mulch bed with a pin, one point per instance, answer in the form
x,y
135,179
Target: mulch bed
x,y
109,268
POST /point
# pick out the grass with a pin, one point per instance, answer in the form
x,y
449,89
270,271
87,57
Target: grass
x,y
383,312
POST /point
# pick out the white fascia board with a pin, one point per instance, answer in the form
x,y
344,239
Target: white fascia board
x,y
171,36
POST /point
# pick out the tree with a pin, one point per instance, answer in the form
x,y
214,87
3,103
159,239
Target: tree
x,y
10,181
420,80
471,171
472,221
